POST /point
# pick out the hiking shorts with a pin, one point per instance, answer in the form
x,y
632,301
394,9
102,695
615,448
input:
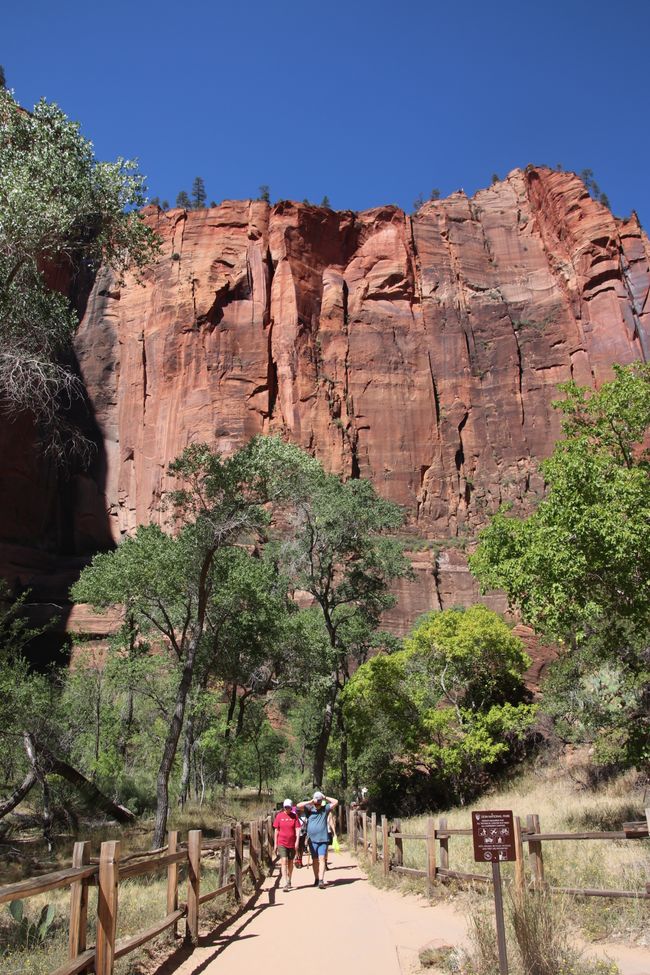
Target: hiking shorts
x,y
286,852
318,849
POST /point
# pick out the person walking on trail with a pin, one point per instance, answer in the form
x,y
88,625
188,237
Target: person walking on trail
x,y
318,808
286,826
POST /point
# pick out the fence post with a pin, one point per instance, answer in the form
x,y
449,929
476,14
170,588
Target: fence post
x,y
254,856
239,861
384,842
444,844
431,854
352,827
399,843
260,842
364,827
172,877
535,855
79,904
269,841
194,839
109,866
373,838
225,856
520,873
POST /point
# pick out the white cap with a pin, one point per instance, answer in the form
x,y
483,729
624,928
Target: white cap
x,y
287,802
318,795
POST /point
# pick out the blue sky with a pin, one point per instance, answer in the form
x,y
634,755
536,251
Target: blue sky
x,y
369,103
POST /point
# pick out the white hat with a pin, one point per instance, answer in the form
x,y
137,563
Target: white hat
x,y
318,795
287,802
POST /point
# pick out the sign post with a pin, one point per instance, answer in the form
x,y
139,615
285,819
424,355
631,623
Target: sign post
x,y
493,832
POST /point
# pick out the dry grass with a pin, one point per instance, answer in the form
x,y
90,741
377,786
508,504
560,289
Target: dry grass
x,y
142,902
564,806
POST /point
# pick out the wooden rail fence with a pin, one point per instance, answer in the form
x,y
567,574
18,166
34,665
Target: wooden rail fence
x,y
364,831
106,873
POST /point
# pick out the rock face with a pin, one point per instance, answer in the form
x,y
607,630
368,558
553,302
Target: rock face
x,y
421,352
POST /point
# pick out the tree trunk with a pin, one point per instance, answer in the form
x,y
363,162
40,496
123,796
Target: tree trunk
x,y
343,759
320,752
125,726
171,743
18,794
188,746
89,791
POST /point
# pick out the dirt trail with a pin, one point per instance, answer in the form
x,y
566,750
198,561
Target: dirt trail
x,y
352,928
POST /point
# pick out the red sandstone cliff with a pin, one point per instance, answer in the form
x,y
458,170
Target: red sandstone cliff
x,y
422,352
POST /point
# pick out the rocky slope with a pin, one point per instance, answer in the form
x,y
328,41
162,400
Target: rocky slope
x,y
422,352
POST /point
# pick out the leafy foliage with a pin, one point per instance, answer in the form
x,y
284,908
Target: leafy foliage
x,y
578,569
61,210
442,711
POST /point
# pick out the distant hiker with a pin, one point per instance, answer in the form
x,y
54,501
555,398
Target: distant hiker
x,y
302,850
318,809
286,826
331,836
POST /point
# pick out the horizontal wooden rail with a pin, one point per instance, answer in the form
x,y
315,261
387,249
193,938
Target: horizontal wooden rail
x,y
148,866
593,835
462,875
595,892
49,881
78,964
204,898
528,832
127,945
217,844
110,869
144,854
409,871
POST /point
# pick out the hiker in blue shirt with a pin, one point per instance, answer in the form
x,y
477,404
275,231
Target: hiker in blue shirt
x,y
318,809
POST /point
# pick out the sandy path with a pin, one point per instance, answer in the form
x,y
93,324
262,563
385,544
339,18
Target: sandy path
x,y
351,926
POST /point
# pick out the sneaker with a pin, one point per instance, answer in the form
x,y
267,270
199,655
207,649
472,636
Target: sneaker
x,y
287,886
317,882
322,884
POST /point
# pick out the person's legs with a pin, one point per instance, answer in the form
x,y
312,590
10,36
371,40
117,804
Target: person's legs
x,y
283,870
290,855
313,850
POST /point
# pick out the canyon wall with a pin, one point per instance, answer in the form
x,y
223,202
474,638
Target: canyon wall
x,y
421,352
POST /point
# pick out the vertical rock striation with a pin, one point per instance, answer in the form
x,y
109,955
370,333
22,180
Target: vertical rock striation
x,y
421,352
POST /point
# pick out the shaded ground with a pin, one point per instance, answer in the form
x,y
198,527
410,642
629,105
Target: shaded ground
x,y
351,926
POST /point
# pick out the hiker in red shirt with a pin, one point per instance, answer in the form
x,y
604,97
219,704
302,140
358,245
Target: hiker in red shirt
x,y
286,827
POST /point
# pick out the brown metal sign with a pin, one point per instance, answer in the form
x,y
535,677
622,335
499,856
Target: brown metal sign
x,y
493,833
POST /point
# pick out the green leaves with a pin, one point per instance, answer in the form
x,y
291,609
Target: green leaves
x,y
578,569
451,703
62,213
581,561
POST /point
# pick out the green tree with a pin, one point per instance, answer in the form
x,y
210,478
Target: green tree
x,y
578,569
168,582
62,211
199,195
448,707
3,77
340,553
183,201
265,193
325,202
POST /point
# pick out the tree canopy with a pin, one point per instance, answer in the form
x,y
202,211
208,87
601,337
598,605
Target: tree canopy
x,y
61,212
434,717
578,569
